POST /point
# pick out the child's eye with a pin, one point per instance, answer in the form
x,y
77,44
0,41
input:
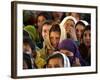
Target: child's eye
x,y
56,66
49,66
45,31
85,35
77,30
72,25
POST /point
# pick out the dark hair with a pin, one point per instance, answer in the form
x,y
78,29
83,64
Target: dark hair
x,y
81,23
70,13
45,14
55,28
52,56
61,18
88,27
29,18
27,59
27,39
25,33
48,22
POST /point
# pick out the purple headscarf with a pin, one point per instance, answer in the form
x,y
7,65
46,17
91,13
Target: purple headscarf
x,y
70,45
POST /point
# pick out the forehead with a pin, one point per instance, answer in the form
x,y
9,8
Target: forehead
x,y
55,33
87,31
46,26
79,26
55,60
69,21
41,17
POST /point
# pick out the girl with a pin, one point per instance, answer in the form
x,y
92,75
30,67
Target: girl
x,y
45,28
85,46
50,44
69,24
33,34
56,60
41,18
29,52
80,26
70,49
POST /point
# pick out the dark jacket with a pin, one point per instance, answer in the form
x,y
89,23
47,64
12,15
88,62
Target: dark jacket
x,y
85,53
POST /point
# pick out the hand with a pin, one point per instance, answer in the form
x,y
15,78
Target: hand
x,y
67,53
72,33
76,62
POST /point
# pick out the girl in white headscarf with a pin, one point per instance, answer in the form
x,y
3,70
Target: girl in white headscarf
x,y
80,26
57,59
69,24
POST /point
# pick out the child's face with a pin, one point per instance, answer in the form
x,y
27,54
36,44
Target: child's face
x,y
87,38
27,48
69,23
40,21
57,15
76,16
54,38
79,31
45,30
55,63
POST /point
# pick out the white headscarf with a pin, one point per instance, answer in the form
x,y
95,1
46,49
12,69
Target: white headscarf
x,y
65,58
66,18
84,22
63,31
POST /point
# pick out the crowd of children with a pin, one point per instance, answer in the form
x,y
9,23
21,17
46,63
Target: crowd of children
x,y
56,39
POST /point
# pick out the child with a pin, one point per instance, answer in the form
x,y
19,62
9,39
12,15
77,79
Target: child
x,y
33,34
54,35
58,16
50,45
56,60
70,49
80,26
77,16
69,24
28,52
45,28
41,18
41,53
85,46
